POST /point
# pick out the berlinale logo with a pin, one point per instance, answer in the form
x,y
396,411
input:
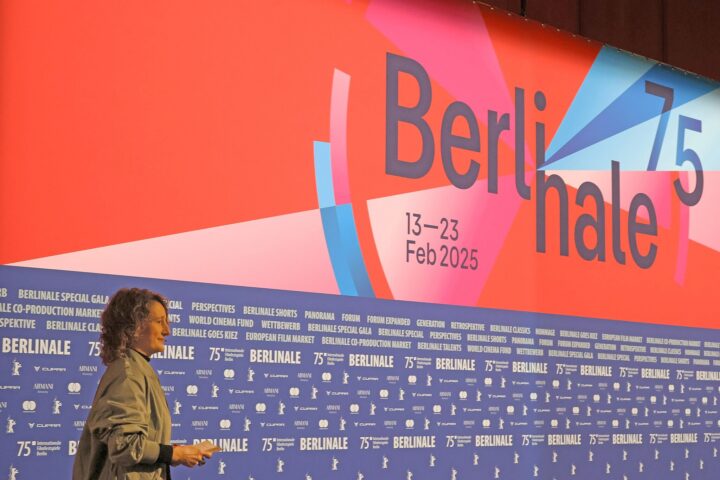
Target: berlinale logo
x,y
10,425
56,406
16,366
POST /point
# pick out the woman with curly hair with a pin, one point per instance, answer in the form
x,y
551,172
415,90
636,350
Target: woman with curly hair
x,y
127,433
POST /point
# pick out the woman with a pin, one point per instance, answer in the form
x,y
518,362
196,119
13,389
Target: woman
x,y
127,433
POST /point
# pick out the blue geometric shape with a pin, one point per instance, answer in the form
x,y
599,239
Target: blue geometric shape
x,y
632,147
623,147
705,144
338,259
635,106
340,230
612,72
323,174
344,248
353,254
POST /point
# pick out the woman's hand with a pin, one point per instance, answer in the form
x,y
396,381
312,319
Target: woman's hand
x,y
189,455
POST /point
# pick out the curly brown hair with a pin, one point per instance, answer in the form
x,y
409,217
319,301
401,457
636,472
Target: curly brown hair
x,y
123,316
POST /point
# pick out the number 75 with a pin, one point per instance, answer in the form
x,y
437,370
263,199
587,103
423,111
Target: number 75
x,y
682,154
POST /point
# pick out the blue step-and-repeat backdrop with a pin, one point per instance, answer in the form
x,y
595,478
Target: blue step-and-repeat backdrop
x,y
309,386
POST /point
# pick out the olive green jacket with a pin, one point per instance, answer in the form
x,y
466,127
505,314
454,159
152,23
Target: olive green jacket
x,y
128,421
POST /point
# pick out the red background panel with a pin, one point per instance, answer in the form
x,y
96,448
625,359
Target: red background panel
x,y
136,120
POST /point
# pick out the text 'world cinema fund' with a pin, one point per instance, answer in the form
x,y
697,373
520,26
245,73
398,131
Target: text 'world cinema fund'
x,y
458,111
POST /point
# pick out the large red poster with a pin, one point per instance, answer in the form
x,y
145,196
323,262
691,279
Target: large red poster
x,y
432,151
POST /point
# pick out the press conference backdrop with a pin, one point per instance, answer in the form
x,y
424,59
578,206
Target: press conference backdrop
x,y
413,241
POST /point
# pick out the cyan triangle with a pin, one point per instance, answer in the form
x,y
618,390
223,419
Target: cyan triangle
x,y
623,147
632,147
706,143
635,106
612,72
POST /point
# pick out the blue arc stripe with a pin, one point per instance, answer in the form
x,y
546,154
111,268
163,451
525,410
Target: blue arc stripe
x,y
351,247
333,238
323,174
340,230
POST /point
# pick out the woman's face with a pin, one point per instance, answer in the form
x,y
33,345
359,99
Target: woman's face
x,y
150,339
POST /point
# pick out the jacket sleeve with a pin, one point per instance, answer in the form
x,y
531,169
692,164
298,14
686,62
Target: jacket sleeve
x,y
122,422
